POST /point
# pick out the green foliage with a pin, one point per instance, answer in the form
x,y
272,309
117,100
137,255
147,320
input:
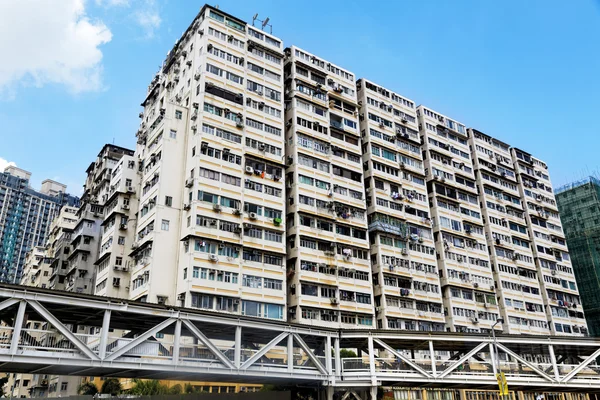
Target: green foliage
x,y
189,389
345,353
176,389
148,387
111,386
87,389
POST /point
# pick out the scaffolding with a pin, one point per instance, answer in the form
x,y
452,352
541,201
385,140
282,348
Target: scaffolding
x,y
579,205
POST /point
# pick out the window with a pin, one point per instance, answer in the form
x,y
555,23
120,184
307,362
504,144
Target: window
x,y
168,201
164,225
178,114
121,240
173,134
63,386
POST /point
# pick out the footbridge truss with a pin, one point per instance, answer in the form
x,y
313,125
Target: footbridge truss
x,y
50,332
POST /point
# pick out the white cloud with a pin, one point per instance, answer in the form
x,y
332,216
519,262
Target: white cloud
x,y
147,17
53,42
5,163
112,3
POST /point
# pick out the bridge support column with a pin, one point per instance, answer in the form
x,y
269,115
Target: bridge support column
x,y
104,334
336,354
176,340
553,360
17,327
373,393
237,347
493,356
290,352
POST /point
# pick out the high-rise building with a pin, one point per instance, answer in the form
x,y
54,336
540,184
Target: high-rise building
x,y
329,274
210,232
118,229
468,286
25,217
36,271
87,233
579,205
58,245
403,262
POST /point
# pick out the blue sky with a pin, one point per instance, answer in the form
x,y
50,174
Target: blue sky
x,y
525,72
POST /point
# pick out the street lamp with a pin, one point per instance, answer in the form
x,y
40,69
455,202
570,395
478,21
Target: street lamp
x,y
498,321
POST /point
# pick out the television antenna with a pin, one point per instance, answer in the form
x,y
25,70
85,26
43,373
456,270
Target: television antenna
x,y
263,23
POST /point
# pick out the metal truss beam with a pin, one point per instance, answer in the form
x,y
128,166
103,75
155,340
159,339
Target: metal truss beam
x,y
140,339
403,358
581,366
521,359
206,341
461,360
63,329
264,350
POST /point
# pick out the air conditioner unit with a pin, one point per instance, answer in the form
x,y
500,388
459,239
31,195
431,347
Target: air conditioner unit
x,y
189,182
252,215
237,211
378,309
135,245
187,207
213,258
404,252
217,207
123,226
249,170
334,300
125,206
475,285
130,189
553,272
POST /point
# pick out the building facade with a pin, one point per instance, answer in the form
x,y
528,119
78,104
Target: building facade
x,y
87,233
25,217
579,204
58,246
329,274
212,183
402,250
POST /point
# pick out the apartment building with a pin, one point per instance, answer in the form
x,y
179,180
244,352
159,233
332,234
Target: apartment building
x,y
329,274
211,149
86,236
36,271
25,217
508,236
468,285
556,278
118,230
579,203
58,246
402,250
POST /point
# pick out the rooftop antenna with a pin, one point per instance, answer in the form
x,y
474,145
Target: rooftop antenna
x,y
263,23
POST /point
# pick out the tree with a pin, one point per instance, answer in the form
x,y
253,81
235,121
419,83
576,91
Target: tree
x,y
189,389
111,386
345,353
87,389
148,387
175,389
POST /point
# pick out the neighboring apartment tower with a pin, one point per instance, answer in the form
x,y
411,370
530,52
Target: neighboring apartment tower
x,y
507,231
579,205
118,229
329,273
36,271
468,286
25,217
86,236
58,246
405,273
555,272
210,232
